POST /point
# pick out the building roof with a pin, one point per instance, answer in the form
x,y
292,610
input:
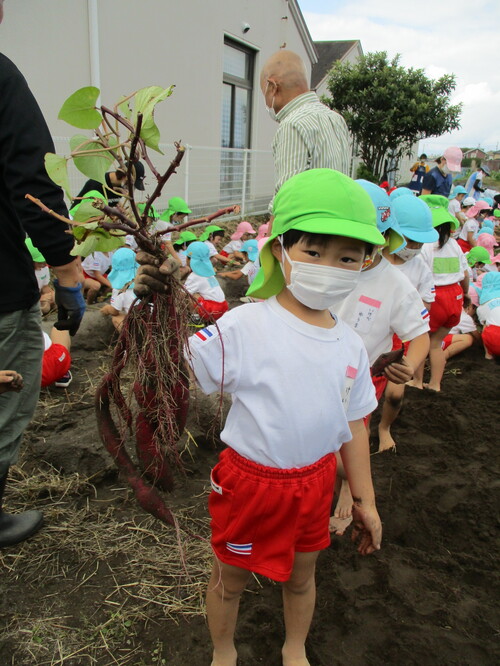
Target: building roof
x,y
328,53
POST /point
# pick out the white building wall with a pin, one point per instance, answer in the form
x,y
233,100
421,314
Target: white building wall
x,y
153,42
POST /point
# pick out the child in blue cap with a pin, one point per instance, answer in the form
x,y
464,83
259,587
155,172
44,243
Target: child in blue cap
x,y
250,252
202,284
383,303
122,275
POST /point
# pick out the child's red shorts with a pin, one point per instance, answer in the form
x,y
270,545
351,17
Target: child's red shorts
x,y
491,339
262,516
448,339
211,310
447,308
55,364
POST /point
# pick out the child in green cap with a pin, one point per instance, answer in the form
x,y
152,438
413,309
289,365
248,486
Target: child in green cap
x,y
451,277
300,383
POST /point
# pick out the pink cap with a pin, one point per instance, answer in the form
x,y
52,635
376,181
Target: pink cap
x,y
474,296
243,228
454,157
477,208
488,241
496,259
261,242
262,232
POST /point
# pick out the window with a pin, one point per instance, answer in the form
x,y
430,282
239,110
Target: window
x,y
237,83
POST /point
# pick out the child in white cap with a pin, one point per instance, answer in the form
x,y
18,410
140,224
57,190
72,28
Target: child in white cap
x,y
250,252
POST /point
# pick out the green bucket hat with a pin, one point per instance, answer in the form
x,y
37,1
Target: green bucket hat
x,y
185,237
36,255
209,230
175,205
476,254
151,213
439,210
318,201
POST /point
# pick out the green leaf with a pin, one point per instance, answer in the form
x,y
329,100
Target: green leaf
x,y
93,166
150,134
79,109
79,232
57,168
84,211
98,240
124,108
147,98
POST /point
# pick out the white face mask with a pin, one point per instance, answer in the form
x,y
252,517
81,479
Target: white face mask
x,y
408,253
270,109
445,170
319,287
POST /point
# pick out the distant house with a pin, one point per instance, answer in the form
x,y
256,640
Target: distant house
x,y
475,154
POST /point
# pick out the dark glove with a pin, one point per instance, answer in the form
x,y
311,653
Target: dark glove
x,y
153,276
70,307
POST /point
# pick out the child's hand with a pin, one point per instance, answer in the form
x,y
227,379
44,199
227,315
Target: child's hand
x,y
367,528
10,380
399,373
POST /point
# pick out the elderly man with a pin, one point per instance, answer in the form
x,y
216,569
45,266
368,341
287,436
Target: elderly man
x,y
25,138
310,135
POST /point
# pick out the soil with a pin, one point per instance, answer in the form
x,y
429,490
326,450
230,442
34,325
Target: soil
x,y
430,596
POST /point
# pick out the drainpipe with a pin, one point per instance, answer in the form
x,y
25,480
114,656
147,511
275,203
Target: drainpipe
x,y
95,63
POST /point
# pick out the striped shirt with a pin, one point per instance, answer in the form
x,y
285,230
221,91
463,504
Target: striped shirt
x,y
310,136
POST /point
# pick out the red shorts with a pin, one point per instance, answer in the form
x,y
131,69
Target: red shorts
x,y
262,516
87,276
211,310
55,364
447,341
447,308
223,253
491,339
464,245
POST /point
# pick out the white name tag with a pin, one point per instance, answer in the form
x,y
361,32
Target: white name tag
x,y
366,311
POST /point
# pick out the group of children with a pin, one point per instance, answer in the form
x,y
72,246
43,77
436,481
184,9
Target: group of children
x,y
353,289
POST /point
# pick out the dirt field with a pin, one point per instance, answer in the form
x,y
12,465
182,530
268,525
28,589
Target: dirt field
x,y
105,584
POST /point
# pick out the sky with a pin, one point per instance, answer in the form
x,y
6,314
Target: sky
x,y
456,37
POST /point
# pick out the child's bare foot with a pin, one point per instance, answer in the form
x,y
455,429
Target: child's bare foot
x,y
224,659
488,357
432,387
291,658
344,504
386,441
338,526
415,384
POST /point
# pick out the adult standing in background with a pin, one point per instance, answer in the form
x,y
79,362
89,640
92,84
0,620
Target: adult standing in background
x,y
310,135
439,178
419,170
24,140
474,185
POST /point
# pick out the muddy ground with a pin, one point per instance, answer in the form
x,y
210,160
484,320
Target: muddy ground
x,y
103,583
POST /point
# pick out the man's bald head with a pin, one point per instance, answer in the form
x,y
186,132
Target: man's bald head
x,y
287,69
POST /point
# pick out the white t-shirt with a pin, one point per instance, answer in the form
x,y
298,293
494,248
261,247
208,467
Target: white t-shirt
x,y
489,313
159,226
47,342
420,275
384,302
42,276
212,250
294,386
123,300
250,270
470,225
448,264
454,206
465,325
207,287
233,246
97,261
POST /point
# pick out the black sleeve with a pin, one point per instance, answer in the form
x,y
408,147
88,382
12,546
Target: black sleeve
x,y
88,187
477,185
429,183
24,140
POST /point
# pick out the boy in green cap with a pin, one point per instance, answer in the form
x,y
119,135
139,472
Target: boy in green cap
x,y
300,383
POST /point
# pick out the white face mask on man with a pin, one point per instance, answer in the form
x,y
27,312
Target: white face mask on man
x,y
319,287
270,109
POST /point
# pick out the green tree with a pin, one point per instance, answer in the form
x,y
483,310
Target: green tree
x,y
388,107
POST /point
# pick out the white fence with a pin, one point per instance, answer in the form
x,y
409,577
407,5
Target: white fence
x,y
208,178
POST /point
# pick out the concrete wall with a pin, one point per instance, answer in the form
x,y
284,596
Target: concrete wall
x,y
151,42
